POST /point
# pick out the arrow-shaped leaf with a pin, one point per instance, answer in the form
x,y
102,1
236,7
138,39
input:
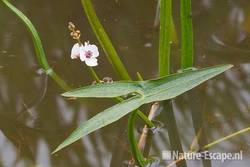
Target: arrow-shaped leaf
x,y
152,90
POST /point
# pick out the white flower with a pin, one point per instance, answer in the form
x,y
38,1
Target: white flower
x,y
86,53
75,51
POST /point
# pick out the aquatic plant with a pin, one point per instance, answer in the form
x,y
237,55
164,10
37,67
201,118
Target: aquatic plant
x,y
130,94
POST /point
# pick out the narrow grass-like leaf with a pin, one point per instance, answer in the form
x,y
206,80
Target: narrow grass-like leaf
x,y
186,34
104,40
153,90
176,84
165,37
102,119
37,45
107,90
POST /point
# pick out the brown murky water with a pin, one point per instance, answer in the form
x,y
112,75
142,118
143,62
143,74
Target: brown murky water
x,y
34,118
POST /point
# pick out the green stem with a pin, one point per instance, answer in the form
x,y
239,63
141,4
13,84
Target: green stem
x,y
104,40
186,34
226,138
94,74
60,82
166,26
139,76
40,54
132,141
165,37
142,116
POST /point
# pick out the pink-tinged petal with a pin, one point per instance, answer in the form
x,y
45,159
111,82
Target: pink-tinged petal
x,y
94,50
75,51
91,62
82,54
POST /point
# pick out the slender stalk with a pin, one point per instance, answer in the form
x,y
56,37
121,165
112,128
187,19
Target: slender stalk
x,y
139,77
211,144
132,141
226,138
94,74
40,54
59,81
145,140
197,107
173,134
165,37
140,114
186,34
143,117
104,40
164,69
137,149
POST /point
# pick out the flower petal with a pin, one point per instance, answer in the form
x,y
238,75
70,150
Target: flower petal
x,y
75,51
92,48
91,62
82,54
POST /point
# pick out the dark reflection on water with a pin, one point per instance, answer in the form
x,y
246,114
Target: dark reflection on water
x,y
34,119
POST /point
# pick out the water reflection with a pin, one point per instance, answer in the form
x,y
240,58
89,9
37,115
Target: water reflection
x,y
34,119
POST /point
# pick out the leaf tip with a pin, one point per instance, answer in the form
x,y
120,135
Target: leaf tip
x,y
224,67
228,66
66,94
58,148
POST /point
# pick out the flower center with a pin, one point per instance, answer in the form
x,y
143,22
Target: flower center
x,y
88,54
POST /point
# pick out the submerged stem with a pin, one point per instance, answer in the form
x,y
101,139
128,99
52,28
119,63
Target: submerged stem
x,y
132,140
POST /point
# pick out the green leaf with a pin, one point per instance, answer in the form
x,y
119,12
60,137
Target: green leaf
x,y
173,85
102,119
152,90
105,90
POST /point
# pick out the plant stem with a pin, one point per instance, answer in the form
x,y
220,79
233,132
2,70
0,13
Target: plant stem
x,y
211,144
132,141
226,138
145,140
165,37
186,34
94,74
139,77
164,69
141,115
104,40
173,134
40,54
